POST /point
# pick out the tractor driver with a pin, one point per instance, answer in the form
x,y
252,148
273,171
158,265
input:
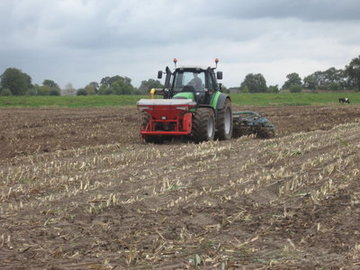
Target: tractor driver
x,y
196,82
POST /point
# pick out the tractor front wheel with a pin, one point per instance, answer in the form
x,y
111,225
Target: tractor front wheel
x,y
203,126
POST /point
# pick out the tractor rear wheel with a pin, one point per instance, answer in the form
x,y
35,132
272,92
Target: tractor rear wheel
x,y
203,126
224,123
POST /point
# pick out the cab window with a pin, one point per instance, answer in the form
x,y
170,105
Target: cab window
x,y
189,78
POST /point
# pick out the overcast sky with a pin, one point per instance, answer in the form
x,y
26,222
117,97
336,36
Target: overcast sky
x,y
79,41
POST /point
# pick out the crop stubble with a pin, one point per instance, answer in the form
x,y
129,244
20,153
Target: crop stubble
x,y
80,191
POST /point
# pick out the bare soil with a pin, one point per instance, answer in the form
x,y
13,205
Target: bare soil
x,y
80,190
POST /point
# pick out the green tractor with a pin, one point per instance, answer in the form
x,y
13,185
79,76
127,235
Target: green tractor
x,y
192,106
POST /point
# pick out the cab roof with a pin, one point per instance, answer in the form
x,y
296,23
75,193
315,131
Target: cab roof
x,y
197,68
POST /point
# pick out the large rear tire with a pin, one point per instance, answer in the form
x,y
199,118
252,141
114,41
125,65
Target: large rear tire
x,y
224,123
203,126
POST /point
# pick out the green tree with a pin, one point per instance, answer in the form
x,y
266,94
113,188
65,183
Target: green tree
x,y
16,81
293,79
146,85
255,83
81,92
295,88
51,84
105,81
116,85
54,87
335,79
273,89
5,92
90,90
330,79
54,92
120,87
43,90
105,90
353,71
311,81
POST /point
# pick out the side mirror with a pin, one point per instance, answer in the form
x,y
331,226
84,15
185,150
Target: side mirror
x,y
219,75
160,74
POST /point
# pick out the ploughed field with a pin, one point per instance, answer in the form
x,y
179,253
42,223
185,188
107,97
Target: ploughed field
x,y
79,190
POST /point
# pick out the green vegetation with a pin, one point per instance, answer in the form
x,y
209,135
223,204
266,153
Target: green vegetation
x,y
254,83
293,83
15,81
331,79
259,99
292,99
353,71
69,101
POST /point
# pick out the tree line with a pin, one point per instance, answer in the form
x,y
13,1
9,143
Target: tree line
x,y
15,82
331,79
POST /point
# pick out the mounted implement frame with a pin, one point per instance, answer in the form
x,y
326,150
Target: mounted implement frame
x,y
166,116
248,122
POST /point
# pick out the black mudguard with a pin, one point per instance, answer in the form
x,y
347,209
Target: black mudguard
x,y
221,101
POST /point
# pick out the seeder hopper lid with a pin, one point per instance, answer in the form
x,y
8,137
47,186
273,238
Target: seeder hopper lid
x,y
149,102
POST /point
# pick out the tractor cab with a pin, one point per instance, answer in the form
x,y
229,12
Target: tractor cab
x,y
195,83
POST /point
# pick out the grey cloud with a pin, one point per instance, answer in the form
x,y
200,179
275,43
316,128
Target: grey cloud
x,y
312,10
79,41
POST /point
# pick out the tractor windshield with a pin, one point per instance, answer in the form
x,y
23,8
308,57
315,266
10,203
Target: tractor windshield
x,y
189,81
